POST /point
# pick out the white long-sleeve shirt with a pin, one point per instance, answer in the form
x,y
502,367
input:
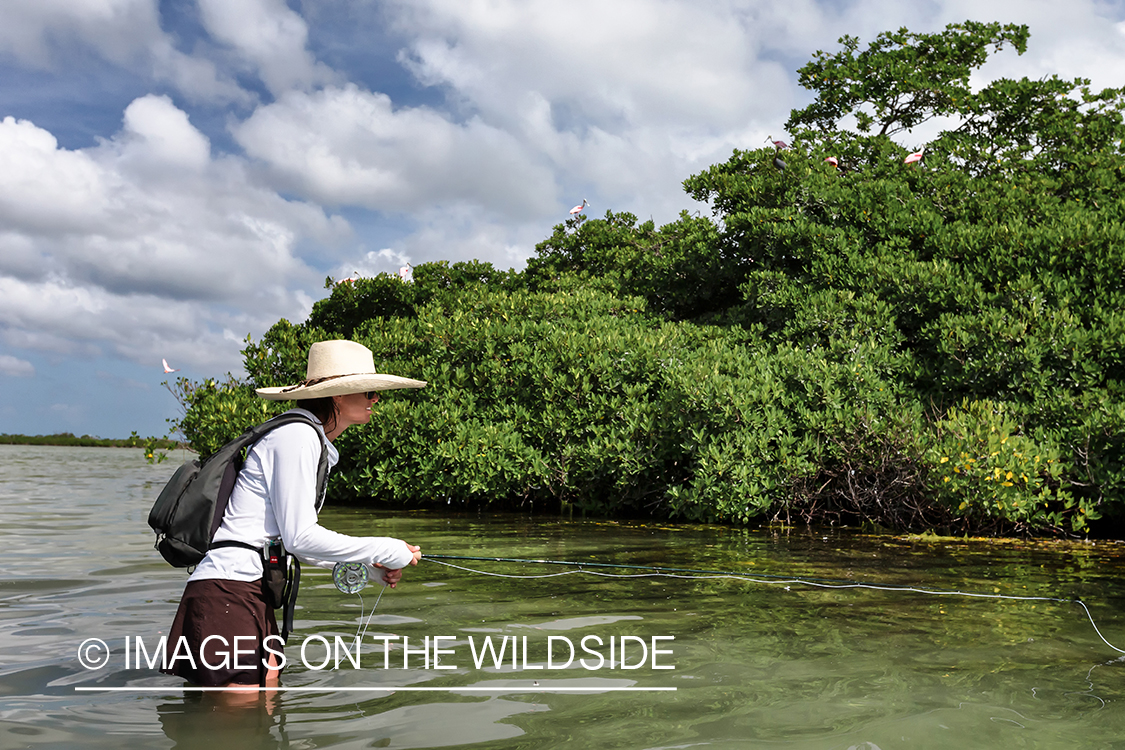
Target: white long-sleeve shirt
x,y
275,496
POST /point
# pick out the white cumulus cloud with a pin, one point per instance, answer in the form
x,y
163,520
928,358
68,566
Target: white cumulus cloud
x,y
269,36
349,146
145,242
127,33
16,367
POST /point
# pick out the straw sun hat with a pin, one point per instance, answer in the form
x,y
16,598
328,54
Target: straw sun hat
x,y
337,368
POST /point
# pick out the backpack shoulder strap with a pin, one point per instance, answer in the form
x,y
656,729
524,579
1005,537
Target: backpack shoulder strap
x,y
322,465
231,455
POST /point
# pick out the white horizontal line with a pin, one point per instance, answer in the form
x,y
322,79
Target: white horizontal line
x,y
327,689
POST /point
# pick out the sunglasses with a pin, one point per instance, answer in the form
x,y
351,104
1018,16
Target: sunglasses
x,y
370,395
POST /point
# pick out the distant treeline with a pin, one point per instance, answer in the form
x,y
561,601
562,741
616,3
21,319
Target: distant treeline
x,y
66,438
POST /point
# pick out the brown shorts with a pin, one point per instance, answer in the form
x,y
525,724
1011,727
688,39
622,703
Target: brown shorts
x,y
217,636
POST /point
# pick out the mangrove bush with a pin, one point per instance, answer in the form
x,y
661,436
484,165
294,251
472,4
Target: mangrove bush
x,y
853,335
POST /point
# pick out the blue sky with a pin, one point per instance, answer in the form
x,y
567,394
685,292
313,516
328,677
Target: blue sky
x,y
180,175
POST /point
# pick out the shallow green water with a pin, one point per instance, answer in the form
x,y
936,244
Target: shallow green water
x,y
764,665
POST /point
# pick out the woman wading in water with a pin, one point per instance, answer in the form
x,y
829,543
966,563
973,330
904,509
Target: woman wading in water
x,y
275,499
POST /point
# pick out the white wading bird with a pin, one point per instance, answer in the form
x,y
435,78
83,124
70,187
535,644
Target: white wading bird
x,y
578,209
168,369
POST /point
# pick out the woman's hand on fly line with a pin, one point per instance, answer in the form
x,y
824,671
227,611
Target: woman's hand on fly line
x,y
392,577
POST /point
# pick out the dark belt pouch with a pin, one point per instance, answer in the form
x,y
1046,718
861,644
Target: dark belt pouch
x,y
281,578
275,574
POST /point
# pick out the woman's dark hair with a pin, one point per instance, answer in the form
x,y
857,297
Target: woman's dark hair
x,y
324,409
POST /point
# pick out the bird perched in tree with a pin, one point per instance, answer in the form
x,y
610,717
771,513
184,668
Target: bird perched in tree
x,y
168,369
777,162
779,145
833,161
406,273
578,209
916,156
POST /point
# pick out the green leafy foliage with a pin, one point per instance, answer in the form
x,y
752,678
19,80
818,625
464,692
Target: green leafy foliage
x,y
916,345
220,412
902,79
355,301
992,471
534,397
675,268
991,269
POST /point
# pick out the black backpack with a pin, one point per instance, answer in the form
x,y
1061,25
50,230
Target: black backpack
x,y
190,508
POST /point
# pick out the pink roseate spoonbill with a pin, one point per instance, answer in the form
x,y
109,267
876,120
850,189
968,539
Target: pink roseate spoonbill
x,y
406,273
916,156
779,145
168,369
578,209
833,161
350,280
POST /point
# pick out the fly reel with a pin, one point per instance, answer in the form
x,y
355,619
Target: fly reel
x,y
350,577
